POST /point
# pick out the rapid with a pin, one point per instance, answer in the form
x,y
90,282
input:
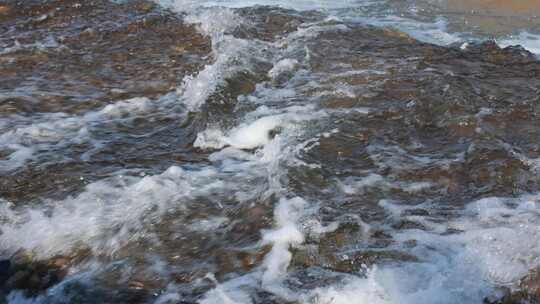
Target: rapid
x,y
246,151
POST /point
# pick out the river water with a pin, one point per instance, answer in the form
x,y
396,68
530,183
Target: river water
x,y
321,152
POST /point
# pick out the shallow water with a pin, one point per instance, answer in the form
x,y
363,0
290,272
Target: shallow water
x,y
267,152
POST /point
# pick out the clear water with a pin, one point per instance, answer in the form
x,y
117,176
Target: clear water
x,y
309,152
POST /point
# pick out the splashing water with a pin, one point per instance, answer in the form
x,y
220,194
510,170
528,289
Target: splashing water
x,y
308,152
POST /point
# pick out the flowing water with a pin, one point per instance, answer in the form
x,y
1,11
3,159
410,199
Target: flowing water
x,y
246,151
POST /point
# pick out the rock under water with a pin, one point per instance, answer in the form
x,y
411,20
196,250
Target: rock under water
x,y
180,152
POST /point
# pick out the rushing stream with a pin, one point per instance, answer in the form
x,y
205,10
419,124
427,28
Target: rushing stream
x,y
288,151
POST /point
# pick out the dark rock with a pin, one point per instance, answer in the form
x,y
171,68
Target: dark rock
x,y
518,297
405,224
102,52
23,272
492,52
531,282
19,280
271,23
5,266
528,292
20,260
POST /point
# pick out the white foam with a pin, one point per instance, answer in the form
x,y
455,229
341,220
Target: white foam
x,y
236,291
372,180
287,233
273,271
461,267
110,213
286,65
59,130
356,291
196,90
210,224
257,131
298,4
48,43
530,42
246,136
219,295
433,32
458,268
230,54
255,134
465,267
452,268
107,215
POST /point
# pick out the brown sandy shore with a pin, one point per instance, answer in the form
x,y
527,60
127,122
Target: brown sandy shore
x,y
496,7
493,17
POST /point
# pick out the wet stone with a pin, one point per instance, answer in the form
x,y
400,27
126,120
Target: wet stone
x,y
332,250
4,10
531,283
462,121
270,23
405,224
5,266
82,57
528,291
23,272
79,40
519,297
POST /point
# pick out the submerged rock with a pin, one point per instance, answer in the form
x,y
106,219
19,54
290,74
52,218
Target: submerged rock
x,y
5,266
84,56
531,284
404,123
23,272
528,291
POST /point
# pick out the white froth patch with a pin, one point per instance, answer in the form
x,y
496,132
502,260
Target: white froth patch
x,y
196,89
296,39
221,295
316,228
287,233
17,158
210,139
530,42
107,214
534,164
246,136
453,268
59,130
286,65
273,271
112,212
498,246
466,266
503,235
372,180
369,181
297,5
230,54
369,290
235,291
48,43
137,105
209,224
254,134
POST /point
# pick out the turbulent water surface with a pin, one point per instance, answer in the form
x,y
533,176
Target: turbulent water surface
x,y
243,152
